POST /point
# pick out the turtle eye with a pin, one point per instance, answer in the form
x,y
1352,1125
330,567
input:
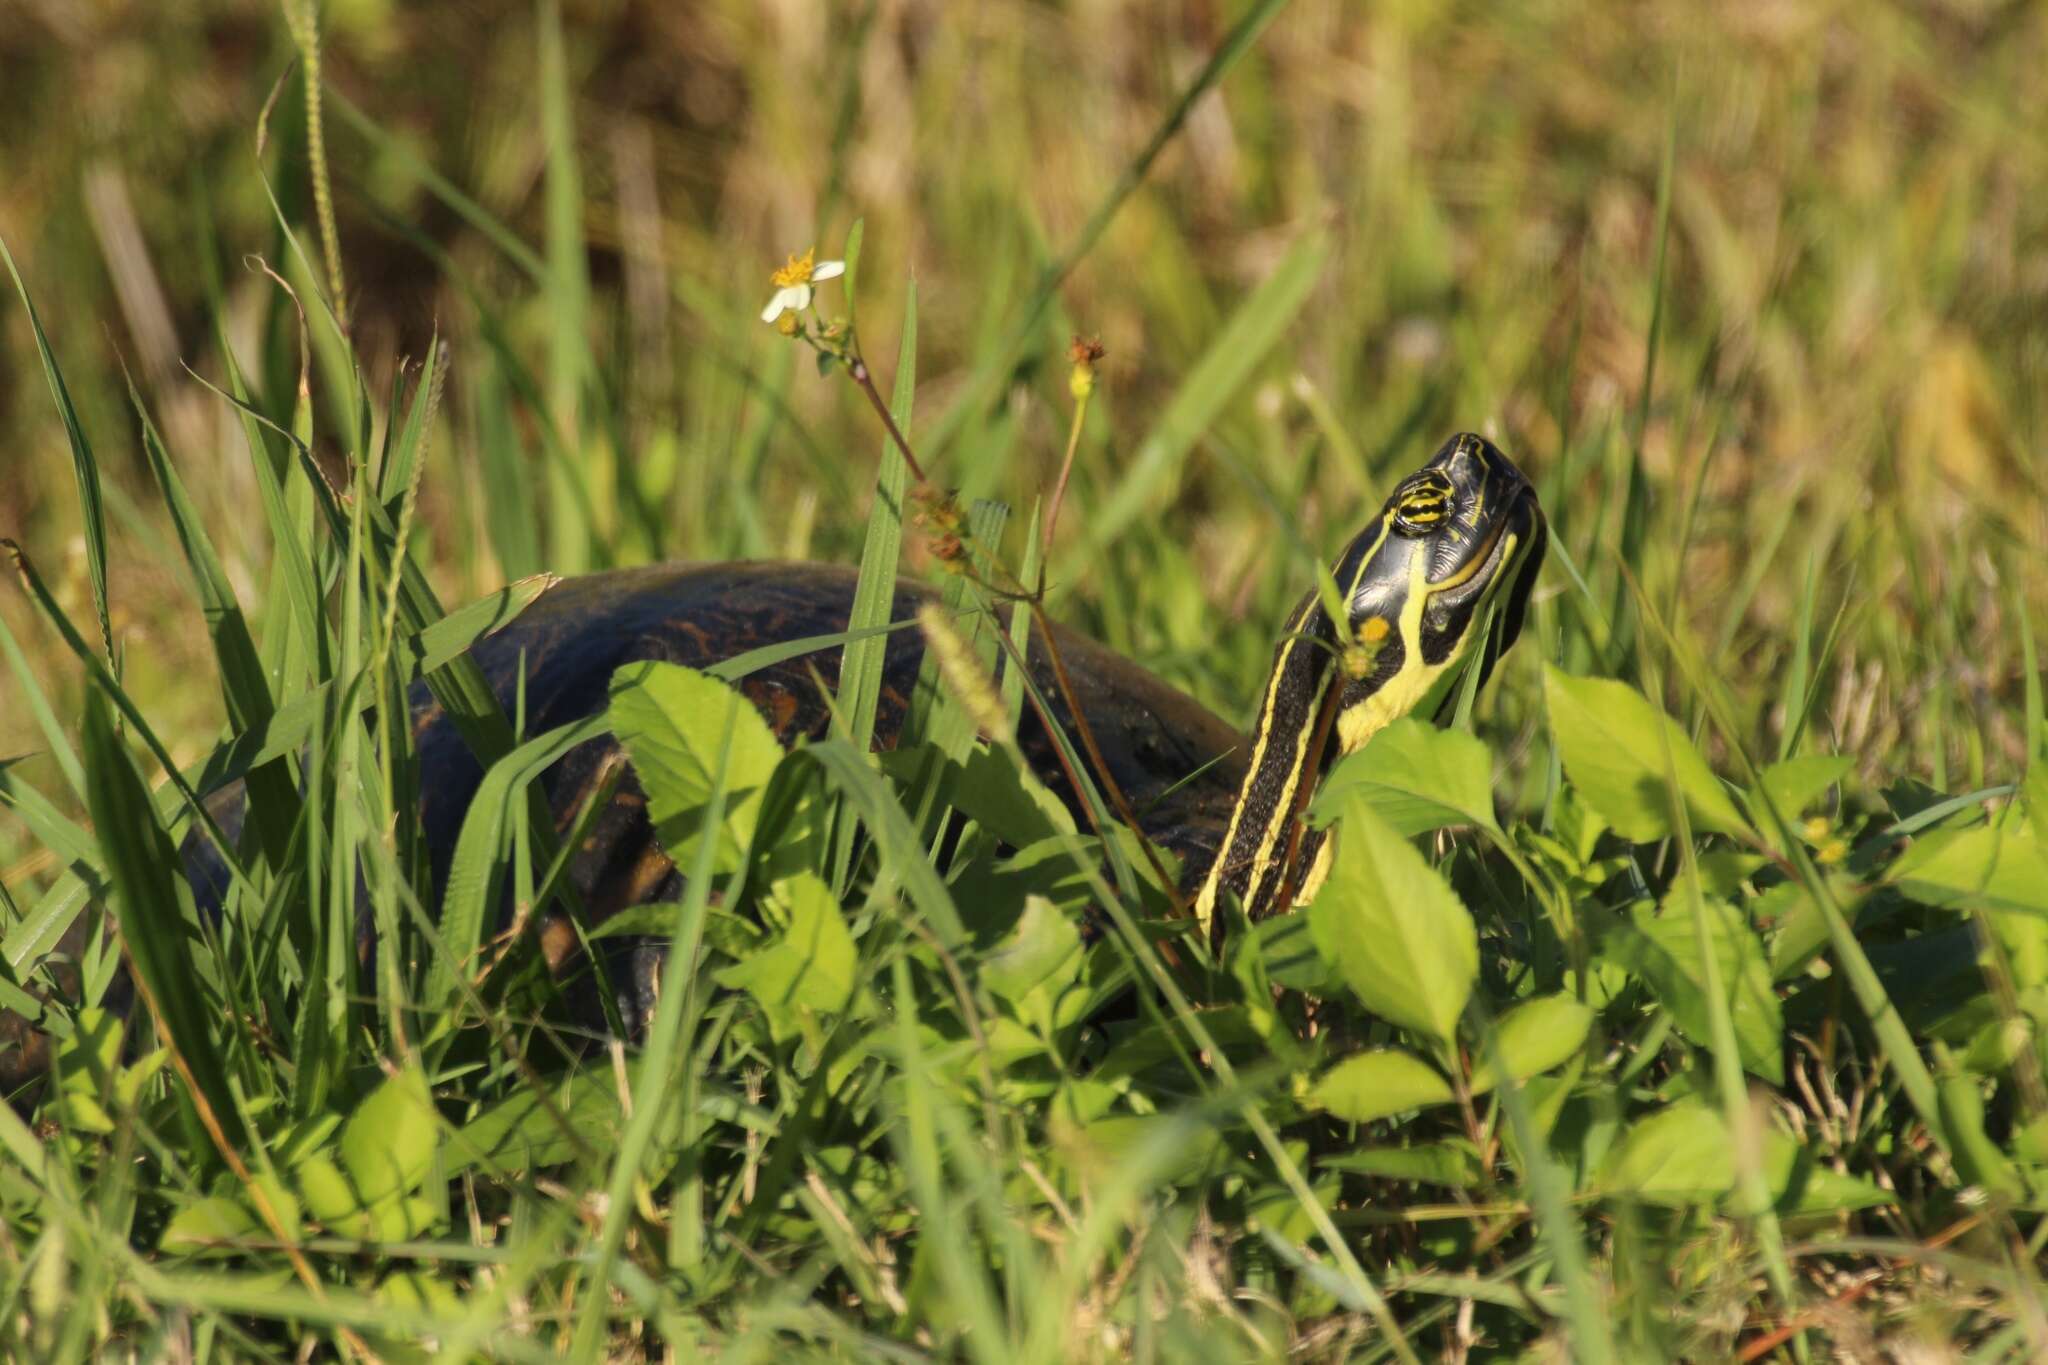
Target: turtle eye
x,y
1423,504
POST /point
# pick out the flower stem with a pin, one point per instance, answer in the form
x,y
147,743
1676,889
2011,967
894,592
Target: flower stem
x,y
1059,488
857,370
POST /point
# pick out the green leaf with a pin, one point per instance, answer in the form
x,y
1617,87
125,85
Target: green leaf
x,y
673,721
1614,744
1389,923
1043,949
1676,1157
387,1145
534,1129
1800,1183
1533,1037
1008,800
1978,1159
1418,777
1987,867
1375,1084
204,1222
1663,949
1799,931
1793,784
1453,1162
809,967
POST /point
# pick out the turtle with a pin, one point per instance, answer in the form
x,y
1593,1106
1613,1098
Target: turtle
x,y
1460,535
1462,532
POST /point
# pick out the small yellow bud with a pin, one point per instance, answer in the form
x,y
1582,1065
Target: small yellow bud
x,y
1084,352
1372,630
788,324
1832,852
1815,829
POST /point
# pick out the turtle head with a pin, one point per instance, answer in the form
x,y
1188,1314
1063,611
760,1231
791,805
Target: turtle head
x,y
1441,577
1452,556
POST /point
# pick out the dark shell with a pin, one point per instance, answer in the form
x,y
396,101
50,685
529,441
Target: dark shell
x,y
1152,735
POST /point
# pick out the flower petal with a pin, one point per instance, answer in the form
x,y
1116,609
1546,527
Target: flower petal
x,y
795,296
827,270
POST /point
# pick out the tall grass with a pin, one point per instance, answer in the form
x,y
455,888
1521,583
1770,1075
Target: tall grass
x,y
1748,1063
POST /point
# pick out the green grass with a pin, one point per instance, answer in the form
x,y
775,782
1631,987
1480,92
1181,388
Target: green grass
x,y
1616,1037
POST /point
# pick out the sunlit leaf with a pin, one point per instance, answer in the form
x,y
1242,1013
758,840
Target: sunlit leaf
x,y
1376,1084
1533,1037
1393,927
1416,776
1623,755
674,722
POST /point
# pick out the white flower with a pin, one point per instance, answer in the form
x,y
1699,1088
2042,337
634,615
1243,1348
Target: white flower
x,y
793,284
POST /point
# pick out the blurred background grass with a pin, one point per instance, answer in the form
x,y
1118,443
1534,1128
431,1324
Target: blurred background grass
x,y
1837,453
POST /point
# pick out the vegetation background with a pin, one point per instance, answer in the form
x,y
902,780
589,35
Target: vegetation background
x,y
1849,381
1757,294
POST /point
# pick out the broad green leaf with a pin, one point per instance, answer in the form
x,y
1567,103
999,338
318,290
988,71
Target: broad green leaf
x,y
204,1222
1375,1084
1986,867
2025,941
1533,1037
1614,744
1008,800
1663,949
387,1145
1801,1182
1418,777
1793,784
1389,923
1678,1156
673,722
1168,1148
1044,948
1453,1162
523,1132
809,967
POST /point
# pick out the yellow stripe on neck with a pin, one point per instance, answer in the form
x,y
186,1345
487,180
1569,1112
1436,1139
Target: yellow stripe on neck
x,y
1401,694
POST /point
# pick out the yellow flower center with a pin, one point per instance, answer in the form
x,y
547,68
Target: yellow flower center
x,y
798,271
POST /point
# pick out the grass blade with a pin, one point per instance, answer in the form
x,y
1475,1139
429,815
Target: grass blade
x,y
92,512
